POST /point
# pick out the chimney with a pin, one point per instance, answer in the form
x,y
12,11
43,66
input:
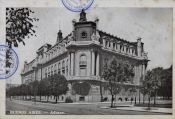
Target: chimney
x,y
59,36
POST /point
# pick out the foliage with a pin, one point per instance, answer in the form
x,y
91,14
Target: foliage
x,y
115,74
59,84
54,85
165,88
19,25
34,87
153,82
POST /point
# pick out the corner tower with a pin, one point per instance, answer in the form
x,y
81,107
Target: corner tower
x,y
84,29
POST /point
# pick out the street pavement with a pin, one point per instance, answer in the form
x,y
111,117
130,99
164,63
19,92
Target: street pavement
x,y
29,107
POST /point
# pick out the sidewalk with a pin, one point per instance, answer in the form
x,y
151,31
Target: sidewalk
x,y
105,105
142,109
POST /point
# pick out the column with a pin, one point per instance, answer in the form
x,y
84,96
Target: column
x,y
69,62
66,64
111,45
41,73
135,77
115,46
104,42
72,64
61,67
124,46
34,74
143,73
76,65
118,46
136,74
140,72
93,62
97,65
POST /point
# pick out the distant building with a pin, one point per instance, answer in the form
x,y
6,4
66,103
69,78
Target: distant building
x,y
81,57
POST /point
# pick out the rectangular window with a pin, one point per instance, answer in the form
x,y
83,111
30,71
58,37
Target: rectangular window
x,y
114,46
109,44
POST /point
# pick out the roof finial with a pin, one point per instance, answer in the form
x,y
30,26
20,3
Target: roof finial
x,y
59,35
82,16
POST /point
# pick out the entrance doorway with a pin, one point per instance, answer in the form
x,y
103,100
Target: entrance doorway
x,y
81,98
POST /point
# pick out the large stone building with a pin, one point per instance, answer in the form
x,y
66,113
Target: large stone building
x,y
81,57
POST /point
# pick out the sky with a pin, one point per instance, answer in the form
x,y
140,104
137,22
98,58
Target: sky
x,y
153,25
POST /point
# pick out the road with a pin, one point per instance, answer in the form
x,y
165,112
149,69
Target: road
x,y
26,107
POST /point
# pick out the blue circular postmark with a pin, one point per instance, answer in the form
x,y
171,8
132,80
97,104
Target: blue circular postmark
x,y
77,5
8,62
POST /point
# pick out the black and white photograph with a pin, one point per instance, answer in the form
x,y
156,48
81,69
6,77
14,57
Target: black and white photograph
x,y
94,61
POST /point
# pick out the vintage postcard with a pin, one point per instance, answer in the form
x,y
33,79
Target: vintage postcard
x,y
86,59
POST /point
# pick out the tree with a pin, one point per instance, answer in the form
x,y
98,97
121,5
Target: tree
x,y
144,91
60,85
19,25
165,88
133,93
147,84
23,90
156,83
115,74
34,88
43,87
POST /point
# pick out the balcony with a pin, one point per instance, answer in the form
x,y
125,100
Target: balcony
x,y
82,63
82,43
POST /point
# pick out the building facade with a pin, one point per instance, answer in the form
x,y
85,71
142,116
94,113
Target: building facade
x,y
81,57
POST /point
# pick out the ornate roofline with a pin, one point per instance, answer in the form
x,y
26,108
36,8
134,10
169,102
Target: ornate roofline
x,y
115,37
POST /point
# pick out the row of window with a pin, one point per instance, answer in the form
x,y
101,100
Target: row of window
x,y
119,47
60,67
53,52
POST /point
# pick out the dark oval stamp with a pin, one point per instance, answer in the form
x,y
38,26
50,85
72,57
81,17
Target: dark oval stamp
x,y
77,5
8,62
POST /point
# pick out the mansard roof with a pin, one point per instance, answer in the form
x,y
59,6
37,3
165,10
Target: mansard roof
x,y
103,34
45,45
31,62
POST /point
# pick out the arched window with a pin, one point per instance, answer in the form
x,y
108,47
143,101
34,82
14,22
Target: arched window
x,y
59,67
52,70
114,46
105,62
83,65
67,66
46,72
63,67
55,70
109,44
